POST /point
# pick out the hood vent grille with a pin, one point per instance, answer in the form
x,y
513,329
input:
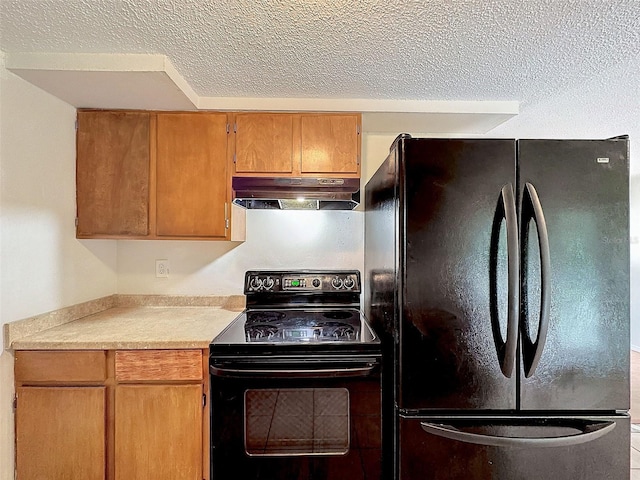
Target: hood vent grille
x,y
305,193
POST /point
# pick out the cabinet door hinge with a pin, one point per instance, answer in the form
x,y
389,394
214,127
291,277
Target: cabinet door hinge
x,y
234,158
204,400
226,223
235,127
15,401
76,221
228,128
358,129
76,124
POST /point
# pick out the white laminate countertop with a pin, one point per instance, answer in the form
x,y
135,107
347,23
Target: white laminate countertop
x,y
134,327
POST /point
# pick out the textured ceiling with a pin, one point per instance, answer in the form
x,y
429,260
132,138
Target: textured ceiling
x,y
516,50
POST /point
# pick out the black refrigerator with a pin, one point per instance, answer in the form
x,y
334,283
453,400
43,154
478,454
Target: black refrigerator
x,y
497,274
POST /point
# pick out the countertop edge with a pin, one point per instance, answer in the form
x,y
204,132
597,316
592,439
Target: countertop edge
x,y
133,345
15,333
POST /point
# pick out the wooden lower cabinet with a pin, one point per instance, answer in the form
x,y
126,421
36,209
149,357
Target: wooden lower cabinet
x,y
158,432
60,433
98,415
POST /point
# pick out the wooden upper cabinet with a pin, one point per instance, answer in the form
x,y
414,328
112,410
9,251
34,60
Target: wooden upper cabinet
x,y
112,173
155,175
330,144
167,175
297,144
264,143
191,175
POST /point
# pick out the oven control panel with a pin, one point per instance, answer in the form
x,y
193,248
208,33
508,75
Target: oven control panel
x,y
302,281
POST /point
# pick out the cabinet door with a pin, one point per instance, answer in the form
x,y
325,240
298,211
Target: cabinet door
x,y
264,143
191,175
158,432
60,433
330,144
112,173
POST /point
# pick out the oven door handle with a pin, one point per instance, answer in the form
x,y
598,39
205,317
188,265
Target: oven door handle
x,y
361,371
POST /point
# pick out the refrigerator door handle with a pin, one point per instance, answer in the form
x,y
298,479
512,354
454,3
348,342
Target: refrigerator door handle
x,y
507,348
532,351
589,431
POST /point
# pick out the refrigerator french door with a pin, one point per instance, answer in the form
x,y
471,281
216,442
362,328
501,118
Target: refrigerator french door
x,y
498,274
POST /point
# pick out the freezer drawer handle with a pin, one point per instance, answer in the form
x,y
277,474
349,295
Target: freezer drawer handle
x,y
590,431
532,351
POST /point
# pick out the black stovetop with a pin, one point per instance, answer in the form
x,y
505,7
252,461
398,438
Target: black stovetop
x,y
298,310
321,325
316,325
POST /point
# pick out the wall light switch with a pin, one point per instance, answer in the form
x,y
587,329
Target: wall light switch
x,y
162,268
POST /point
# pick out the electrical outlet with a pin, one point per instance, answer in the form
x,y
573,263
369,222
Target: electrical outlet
x,y
162,268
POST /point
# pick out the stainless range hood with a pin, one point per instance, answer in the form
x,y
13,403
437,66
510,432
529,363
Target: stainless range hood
x,y
296,193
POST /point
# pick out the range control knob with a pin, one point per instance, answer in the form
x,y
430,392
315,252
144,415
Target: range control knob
x,y
316,282
268,283
337,283
349,283
255,283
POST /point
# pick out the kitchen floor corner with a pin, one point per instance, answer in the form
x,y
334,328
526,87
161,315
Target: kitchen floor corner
x,y
635,415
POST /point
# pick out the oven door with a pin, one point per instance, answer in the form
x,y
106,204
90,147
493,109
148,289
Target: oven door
x,y
295,418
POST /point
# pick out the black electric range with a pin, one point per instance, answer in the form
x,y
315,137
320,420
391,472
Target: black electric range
x,y
295,382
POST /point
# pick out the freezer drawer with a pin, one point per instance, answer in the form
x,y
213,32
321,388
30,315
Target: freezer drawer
x,y
514,448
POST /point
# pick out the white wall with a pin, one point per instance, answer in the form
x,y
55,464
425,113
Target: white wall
x,y
276,239
43,267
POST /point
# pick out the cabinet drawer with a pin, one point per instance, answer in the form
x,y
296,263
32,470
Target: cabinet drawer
x,y
144,365
61,366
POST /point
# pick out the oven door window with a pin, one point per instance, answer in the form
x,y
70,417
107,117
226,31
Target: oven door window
x,y
297,421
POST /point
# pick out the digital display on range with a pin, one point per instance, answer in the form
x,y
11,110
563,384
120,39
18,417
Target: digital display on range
x,y
295,283
299,283
296,333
